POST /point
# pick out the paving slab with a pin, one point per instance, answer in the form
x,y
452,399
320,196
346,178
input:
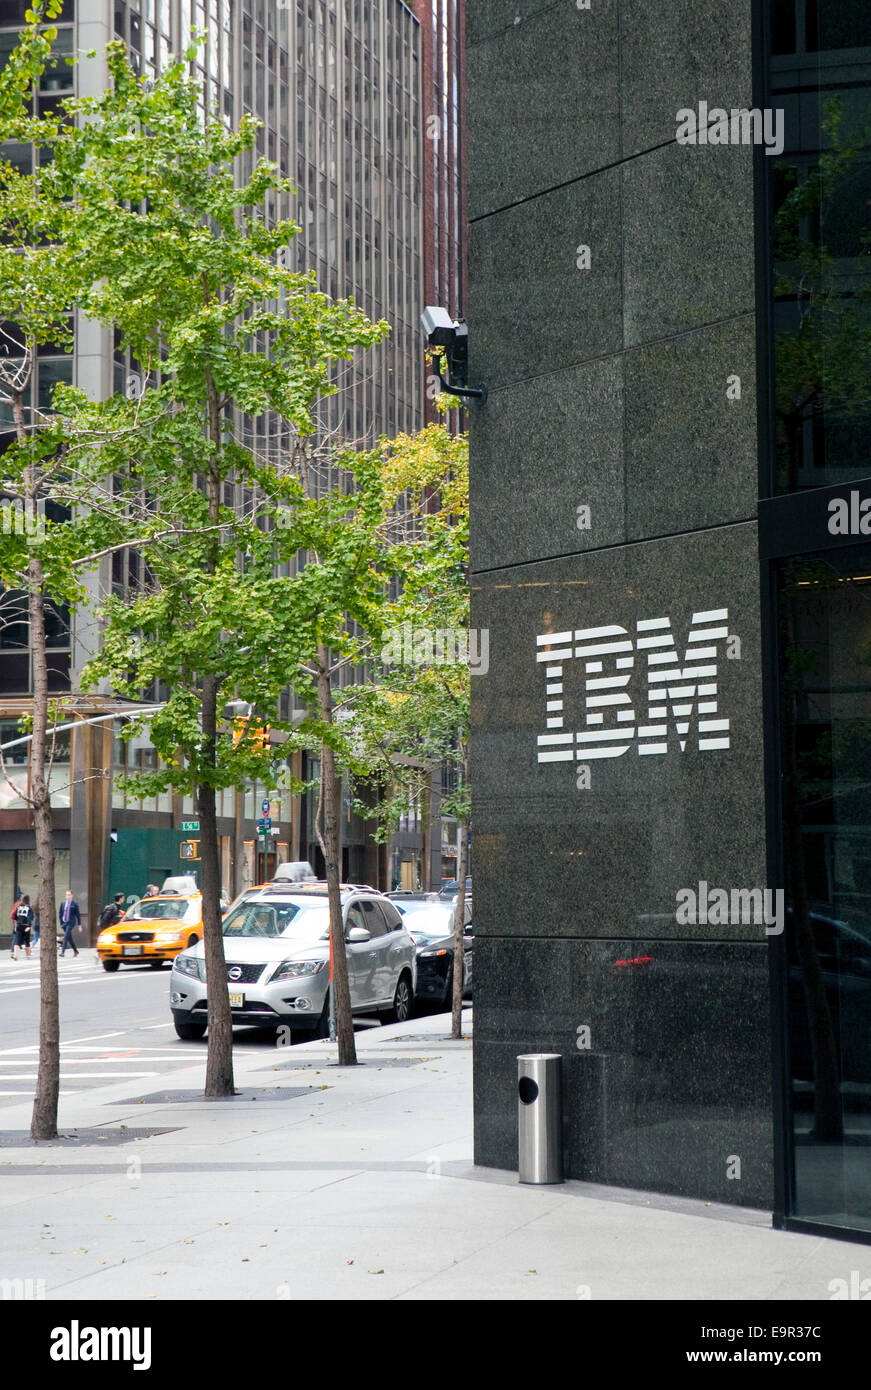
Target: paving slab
x,y
364,1190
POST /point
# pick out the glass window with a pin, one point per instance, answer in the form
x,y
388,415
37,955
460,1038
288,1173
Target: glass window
x,y
59,74
820,191
300,922
825,613
50,374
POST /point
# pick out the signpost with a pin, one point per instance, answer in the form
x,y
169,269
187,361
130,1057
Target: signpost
x,y
264,832
190,825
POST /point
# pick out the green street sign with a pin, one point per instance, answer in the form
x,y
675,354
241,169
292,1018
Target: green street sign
x,y
263,830
190,825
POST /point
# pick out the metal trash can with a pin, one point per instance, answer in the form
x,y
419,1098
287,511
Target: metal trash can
x,y
539,1117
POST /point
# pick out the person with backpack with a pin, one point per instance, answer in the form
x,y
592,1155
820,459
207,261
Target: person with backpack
x,y
112,912
23,924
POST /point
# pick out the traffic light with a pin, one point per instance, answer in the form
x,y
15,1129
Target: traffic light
x,y
257,734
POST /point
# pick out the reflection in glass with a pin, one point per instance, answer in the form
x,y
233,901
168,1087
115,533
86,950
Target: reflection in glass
x,y
821,193
825,616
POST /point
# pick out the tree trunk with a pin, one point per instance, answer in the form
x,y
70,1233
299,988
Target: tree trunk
x,y
329,842
43,1123
425,820
219,1064
459,919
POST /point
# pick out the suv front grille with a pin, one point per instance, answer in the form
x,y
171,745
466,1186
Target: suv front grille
x,y
249,976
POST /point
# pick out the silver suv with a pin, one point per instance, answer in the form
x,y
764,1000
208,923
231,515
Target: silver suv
x,y
276,945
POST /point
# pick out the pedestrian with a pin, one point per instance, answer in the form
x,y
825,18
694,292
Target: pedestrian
x,y
70,918
112,912
13,920
36,923
23,925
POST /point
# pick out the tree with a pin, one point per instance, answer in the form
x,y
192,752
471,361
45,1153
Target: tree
x,y
392,524
184,264
39,281
413,717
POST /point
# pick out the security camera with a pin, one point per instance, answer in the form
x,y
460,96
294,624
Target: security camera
x,y
450,337
438,327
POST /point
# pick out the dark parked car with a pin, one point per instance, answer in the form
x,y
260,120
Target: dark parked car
x,y
431,926
448,891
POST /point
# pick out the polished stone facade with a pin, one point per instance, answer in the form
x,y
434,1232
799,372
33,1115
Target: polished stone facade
x,y
614,486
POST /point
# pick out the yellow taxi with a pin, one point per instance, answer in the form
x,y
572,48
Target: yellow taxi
x,y
154,930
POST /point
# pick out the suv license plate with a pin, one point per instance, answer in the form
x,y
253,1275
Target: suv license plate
x,y
131,950
237,1001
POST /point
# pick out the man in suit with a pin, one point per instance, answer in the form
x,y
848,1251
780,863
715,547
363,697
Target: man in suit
x,y
70,918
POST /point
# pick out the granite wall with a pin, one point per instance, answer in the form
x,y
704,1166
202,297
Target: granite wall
x,y
617,735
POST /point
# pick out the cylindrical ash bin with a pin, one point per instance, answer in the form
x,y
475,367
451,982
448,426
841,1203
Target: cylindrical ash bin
x,y
539,1117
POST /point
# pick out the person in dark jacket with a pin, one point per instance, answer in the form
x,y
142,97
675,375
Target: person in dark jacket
x,y
70,918
23,925
112,912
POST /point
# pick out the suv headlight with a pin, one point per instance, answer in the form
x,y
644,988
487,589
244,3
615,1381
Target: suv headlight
x,y
187,965
288,968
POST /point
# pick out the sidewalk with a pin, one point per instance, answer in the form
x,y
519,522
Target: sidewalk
x,y
320,1182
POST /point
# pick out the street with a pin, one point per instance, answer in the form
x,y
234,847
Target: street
x,y
113,1027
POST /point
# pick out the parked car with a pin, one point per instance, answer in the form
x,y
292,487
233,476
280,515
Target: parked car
x,y
448,891
154,930
276,946
431,925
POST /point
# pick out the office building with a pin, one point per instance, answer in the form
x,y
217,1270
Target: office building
x,y
669,307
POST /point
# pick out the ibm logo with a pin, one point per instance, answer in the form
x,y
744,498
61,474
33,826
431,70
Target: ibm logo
x,y
609,655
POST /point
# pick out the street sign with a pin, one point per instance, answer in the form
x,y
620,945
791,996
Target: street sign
x,y
189,849
263,830
190,825
265,806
